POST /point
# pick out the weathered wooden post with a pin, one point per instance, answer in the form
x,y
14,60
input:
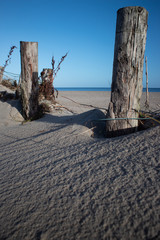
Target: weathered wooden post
x,y
1,73
29,78
47,83
127,75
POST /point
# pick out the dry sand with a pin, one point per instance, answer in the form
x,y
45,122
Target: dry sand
x,y
58,182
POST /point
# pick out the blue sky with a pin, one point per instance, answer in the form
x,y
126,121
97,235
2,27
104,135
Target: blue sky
x,y
85,28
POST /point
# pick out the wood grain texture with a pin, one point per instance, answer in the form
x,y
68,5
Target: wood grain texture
x,y
29,78
126,90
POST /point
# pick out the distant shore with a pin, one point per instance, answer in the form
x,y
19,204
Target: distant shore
x,y
98,89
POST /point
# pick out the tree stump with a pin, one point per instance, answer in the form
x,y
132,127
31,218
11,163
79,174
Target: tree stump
x,y
29,79
126,89
47,84
1,74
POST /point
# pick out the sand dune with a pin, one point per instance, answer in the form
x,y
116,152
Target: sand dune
x,y
58,182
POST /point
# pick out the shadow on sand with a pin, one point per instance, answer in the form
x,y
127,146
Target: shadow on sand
x,y
87,119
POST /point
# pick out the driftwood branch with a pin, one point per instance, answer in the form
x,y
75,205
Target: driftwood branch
x,y
46,89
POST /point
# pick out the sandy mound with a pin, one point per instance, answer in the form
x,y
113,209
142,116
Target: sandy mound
x,y
10,111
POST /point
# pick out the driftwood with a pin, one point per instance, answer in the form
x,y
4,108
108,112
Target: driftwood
x,y
29,79
46,87
127,76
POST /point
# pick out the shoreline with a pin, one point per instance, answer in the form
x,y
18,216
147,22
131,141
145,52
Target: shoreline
x,y
94,89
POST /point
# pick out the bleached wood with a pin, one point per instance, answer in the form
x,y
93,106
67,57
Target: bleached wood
x,y
29,78
127,75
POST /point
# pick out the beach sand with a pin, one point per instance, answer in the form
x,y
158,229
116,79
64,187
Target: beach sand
x,y
61,179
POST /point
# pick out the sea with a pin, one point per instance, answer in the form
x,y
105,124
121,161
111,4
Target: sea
x,y
98,89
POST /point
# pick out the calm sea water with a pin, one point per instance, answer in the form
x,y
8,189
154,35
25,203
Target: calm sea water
x,y
98,89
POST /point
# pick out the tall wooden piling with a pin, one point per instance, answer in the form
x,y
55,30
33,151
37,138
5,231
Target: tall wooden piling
x,y
29,78
126,89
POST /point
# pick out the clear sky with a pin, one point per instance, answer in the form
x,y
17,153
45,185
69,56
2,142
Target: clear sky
x,y
85,28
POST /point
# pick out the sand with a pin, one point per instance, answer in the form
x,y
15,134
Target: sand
x,y
57,181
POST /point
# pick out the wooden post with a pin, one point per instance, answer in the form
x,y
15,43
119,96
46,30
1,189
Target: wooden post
x,y
1,74
47,83
147,93
127,75
29,78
